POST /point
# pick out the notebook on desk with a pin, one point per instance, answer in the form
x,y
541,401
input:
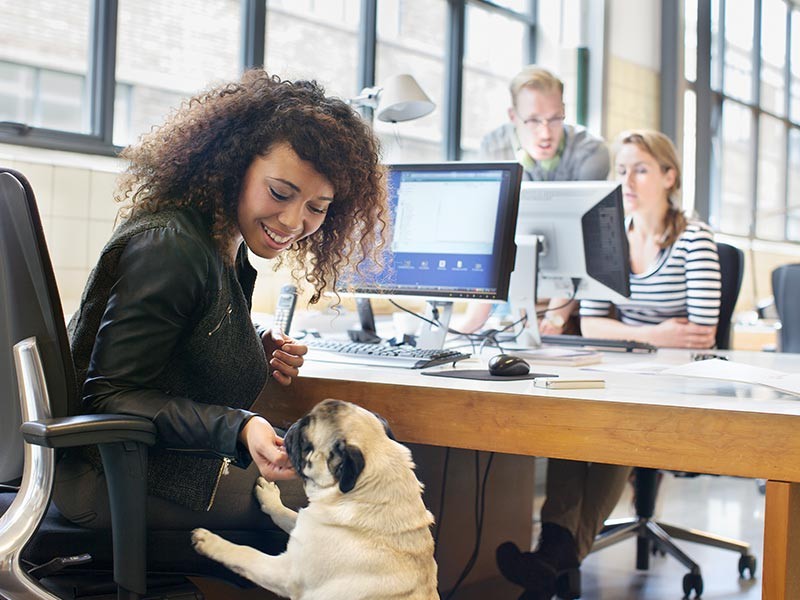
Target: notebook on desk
x,y
569,357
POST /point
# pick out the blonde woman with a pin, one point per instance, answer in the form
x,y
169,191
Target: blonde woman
x,y
675,300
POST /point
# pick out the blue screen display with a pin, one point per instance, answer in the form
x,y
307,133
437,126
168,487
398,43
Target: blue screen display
x,y
449,227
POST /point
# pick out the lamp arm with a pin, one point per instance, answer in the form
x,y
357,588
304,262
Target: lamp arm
x,y
368,97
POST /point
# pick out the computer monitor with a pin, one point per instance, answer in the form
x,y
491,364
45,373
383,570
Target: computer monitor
x,y
573,235
452,236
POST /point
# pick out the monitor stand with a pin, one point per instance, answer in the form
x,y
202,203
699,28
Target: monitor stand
x,y
432,336
522,289
366,332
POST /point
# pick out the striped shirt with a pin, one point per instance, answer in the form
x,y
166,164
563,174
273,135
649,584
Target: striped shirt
x,y
683,281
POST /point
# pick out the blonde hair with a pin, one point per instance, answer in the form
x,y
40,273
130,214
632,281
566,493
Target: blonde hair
x,y
661,148
535,78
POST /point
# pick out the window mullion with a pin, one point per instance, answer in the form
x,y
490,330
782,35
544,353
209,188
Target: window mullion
x,y
367,43
530,43
455,78
102,69
755,114
787,122
703,158
254,24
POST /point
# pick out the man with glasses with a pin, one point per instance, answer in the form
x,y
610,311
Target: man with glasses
x,y
548,149
538,138
579,495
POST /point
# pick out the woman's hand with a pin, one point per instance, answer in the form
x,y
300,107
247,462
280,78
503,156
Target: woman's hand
x,y
552,324
285,355
267,450
681,333
559,310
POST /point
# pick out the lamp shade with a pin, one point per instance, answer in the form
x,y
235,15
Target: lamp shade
x,y
402,99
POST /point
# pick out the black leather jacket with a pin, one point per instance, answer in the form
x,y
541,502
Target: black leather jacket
x,y
164,332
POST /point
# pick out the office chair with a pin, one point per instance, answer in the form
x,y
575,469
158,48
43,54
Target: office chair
x,y
656,536
42,554
786,290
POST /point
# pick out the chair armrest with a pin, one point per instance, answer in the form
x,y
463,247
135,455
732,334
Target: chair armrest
x,y
122,441
84,430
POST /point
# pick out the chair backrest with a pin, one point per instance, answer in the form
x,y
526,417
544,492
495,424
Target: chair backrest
x,y
29,307
731,267
786,290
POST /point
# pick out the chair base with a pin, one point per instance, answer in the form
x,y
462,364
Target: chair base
x,y
654,536
92,586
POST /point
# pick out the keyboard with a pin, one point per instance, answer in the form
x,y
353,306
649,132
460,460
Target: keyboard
x,y
383,355
599,343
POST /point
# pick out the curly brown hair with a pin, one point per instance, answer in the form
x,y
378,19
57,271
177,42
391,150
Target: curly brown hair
x,y
199,156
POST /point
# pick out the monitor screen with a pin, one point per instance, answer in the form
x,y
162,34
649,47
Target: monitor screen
x,y
581,225
452,232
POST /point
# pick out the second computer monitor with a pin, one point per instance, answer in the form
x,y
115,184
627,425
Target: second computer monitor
x,y
581,226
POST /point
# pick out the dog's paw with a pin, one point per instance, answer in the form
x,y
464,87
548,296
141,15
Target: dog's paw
x,y
268,495
205,542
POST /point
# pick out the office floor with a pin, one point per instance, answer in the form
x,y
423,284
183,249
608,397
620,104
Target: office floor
x,y
723,505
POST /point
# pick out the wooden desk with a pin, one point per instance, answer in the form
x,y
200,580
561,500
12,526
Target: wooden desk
x,y
645,420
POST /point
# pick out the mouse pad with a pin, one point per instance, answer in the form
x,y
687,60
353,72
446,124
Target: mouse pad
x,y
484,375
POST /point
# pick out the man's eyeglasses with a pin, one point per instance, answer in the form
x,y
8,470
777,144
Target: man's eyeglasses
x,y
536,122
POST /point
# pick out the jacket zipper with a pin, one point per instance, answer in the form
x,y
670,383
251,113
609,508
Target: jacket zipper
x,y
228,312
223,470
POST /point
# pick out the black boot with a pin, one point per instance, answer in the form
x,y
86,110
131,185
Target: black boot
x,y
551,569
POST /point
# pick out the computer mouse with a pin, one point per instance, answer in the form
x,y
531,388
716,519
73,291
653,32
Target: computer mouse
x,y
508,366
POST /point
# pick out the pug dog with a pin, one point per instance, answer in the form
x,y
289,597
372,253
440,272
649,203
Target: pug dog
x,y
365,533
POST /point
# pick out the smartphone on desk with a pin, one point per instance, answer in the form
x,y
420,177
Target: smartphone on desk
x,y
567,383
287,299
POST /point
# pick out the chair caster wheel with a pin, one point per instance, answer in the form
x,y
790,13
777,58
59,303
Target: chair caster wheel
x,y
568,584
692,581
747,562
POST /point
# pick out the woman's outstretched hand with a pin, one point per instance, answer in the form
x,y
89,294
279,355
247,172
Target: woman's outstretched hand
x,y
284,354
267,450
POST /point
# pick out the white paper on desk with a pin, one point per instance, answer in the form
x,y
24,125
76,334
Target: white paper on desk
x,y
644,367
734,371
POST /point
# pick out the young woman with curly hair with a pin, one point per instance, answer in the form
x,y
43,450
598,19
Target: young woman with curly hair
x,y
164,331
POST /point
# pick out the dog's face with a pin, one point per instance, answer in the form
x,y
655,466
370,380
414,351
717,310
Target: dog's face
x,y
328,446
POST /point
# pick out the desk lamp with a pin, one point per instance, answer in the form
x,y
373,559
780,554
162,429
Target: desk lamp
x,y
400,99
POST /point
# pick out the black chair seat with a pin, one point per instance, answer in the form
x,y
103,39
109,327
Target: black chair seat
x,y
168,551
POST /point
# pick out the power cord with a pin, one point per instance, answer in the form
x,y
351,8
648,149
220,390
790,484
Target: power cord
x,y
441,503
480,506
474,338
488,337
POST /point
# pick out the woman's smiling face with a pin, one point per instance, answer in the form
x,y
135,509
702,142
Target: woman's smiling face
x,y
283,199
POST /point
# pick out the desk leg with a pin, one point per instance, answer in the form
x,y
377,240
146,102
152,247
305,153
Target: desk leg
x,y
781,542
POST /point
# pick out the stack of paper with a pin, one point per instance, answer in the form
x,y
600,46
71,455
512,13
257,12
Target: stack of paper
x,y
569,357
729,370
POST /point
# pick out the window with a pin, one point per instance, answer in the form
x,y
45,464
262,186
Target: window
x,y
411,38
314,40
92,75
744,95
488,69
167,51
43,64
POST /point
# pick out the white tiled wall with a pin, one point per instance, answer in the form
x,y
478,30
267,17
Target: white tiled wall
x,y
75,199
75,196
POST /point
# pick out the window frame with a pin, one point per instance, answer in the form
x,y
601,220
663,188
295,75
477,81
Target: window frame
x,y
101,74
709,106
